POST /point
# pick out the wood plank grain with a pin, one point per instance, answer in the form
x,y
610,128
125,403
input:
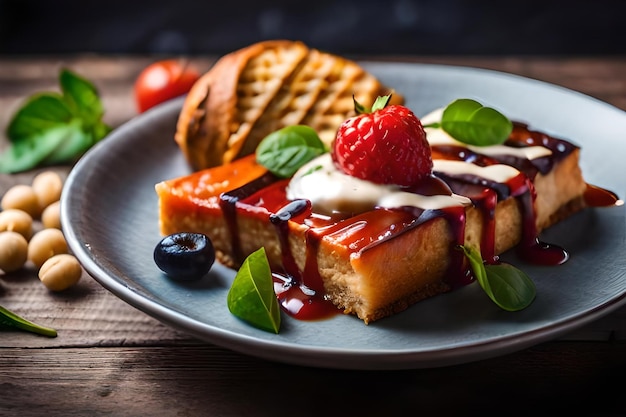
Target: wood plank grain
x,y
85,315
112,359
206,380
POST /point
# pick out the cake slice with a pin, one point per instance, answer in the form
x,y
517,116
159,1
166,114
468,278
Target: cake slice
x,y
258,89
375,251
382,258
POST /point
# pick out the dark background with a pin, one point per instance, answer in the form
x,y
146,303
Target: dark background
x,y
352,27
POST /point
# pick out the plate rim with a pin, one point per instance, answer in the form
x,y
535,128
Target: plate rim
x,y
327,357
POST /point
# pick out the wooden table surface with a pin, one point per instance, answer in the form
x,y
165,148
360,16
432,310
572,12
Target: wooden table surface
x,y
112,359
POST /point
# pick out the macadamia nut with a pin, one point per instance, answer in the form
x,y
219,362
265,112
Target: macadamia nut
x,y
13,251
60,272
51,216
14,220
45,244
21,197
47,186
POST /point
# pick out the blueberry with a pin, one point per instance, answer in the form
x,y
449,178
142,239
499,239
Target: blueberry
x,y
185,256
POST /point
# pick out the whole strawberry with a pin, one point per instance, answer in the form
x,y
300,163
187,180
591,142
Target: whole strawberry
x,y
385,145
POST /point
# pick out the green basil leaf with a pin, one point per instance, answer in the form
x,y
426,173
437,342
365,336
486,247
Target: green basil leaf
x,y
283,152
469,122
508,287
9,318
51,128
39,113
74,144
34,150
82,97
512,289
478,266
99,130
251,296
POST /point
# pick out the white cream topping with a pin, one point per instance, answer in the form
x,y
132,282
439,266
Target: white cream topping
x,y
497,173
437,136
330,190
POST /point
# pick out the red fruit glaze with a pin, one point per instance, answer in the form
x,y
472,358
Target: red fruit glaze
x,y
387,146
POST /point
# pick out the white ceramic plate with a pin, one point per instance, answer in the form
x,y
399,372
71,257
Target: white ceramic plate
x,y
110,217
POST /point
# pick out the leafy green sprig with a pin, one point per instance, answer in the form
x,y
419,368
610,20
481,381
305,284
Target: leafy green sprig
x,y
251,296
55,128
10,319
284,151
470,122
508,287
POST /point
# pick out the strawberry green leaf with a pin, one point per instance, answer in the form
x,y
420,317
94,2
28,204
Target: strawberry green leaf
x,y
10,319
470,122
508,287
251,296
284,151
379,104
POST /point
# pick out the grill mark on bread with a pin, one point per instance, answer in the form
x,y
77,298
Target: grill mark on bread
x,y
323,116
335,104
261,81
295,97
264,87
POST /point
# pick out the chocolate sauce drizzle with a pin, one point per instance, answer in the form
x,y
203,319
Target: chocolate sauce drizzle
x,y
300,289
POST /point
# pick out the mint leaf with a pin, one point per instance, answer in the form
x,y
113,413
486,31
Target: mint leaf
x,y
470,122
252,297
75,142
52,128
33,150
40,113
512,289
9,318
99,131
82,97
283,152
508,287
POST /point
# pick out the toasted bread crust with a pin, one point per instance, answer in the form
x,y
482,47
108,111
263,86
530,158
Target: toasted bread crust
x,y
259,89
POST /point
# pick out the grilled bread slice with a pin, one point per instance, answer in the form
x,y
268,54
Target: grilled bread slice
x,y
261,88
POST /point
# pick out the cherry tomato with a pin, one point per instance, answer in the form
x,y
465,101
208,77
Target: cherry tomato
x,y
162,81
